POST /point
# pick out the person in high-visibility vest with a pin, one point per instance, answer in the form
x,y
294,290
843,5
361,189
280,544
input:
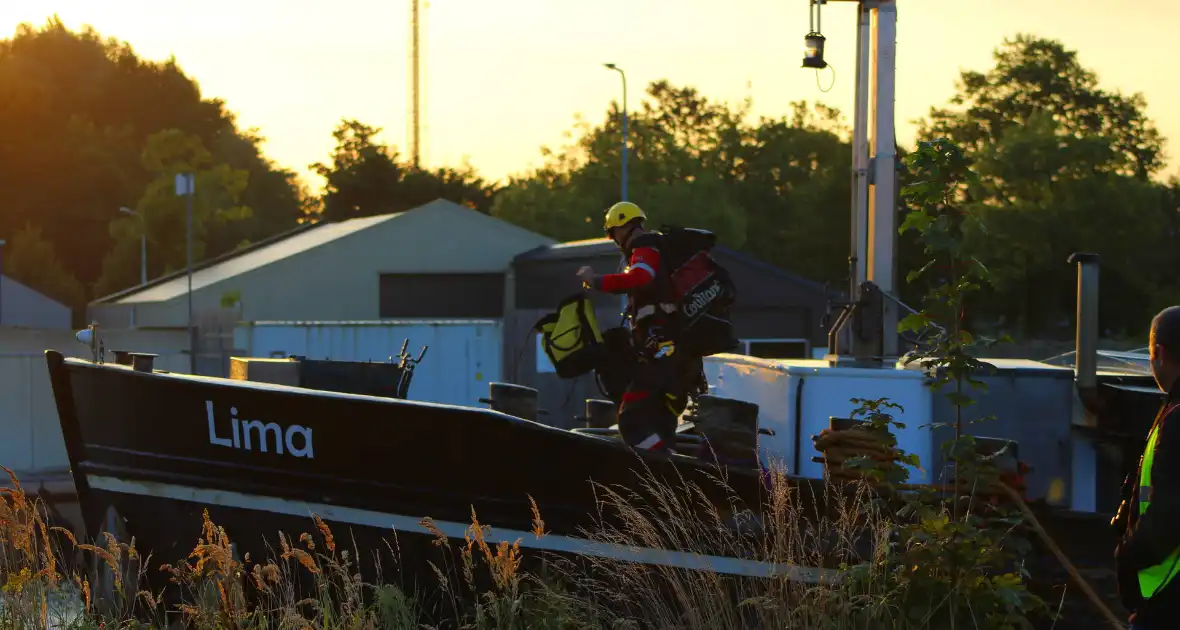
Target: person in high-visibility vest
x,y
1148,554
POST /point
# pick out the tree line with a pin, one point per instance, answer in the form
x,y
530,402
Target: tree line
x,y
1066,164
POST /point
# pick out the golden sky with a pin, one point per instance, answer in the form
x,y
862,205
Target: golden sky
x,y
502,78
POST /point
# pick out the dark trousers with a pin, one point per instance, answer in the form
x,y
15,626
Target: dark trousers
x,y
657,394
1159,613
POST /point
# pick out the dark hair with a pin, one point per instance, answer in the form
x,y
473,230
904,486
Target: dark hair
x,y
1166,329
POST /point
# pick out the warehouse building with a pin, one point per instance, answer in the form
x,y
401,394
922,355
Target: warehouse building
x,y
24,307
440,260
325,287
778,314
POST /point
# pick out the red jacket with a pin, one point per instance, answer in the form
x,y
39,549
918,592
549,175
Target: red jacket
x,y
640,272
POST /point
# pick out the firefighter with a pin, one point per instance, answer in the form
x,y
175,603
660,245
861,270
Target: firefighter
x,y
1148,553
664,377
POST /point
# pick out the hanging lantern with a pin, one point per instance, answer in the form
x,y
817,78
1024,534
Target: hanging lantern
x,y
813,51
813,43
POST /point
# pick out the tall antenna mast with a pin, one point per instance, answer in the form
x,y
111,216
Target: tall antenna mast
x,y
416,154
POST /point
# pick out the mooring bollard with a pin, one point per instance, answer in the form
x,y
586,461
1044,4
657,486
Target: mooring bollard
x,y
142,361
601,414
514,400
731,428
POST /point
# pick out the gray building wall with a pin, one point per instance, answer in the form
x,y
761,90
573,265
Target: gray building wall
x,y
22,306
341,279
772,304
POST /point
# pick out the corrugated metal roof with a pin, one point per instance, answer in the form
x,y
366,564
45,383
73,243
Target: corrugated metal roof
x,y
250,260
114,297
600,246
571,249
372,322
1137,389
26,307
1007,363
1135,361
586,242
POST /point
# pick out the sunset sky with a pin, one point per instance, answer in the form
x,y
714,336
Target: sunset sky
x,y
501,79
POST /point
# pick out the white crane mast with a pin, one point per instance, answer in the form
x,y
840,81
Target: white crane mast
x,y
866,334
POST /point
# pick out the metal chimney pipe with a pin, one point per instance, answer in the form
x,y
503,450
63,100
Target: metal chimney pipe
x,y
1086,349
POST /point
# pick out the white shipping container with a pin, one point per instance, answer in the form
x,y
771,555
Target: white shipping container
x,y
463,355
797,397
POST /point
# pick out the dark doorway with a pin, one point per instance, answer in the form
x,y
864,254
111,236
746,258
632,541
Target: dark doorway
x,y
458,295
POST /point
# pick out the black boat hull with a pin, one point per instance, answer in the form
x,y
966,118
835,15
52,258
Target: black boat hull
x,y
161,448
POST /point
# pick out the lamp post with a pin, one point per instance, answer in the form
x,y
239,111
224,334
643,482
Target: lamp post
x,y
624,75
186,184
2,241
142,243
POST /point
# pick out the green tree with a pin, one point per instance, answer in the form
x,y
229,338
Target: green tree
x,y
795,184
31,260
777,188
1073,205
163,214
367,178
76,113
277,198
951,561
1066,165
547,201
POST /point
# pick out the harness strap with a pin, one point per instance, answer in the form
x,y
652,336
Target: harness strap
x,y
650,309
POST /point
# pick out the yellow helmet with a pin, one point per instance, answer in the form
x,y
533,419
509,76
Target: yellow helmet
x,y
621,214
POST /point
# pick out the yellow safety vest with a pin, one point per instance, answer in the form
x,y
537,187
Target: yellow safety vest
x,y
1153,579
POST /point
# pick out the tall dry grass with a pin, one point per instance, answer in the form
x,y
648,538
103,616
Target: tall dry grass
x,y
811,535
44,586
484,584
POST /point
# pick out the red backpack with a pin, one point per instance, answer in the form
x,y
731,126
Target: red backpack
x,y
698,289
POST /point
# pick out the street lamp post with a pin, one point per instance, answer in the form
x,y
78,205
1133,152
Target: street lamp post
x,y
142,243
624,75
2,241
186,184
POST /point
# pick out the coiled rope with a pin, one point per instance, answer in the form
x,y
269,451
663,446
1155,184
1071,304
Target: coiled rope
x,y
879,461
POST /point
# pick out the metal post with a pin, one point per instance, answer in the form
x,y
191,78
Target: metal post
x,y
624,76
1083,456
142,243
2,242
186,184
624,135
192,337
873,242
1086,344
143,257
416,140
882,234
860,165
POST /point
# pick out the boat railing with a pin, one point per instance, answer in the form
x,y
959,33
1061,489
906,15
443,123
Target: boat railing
x,y
407,365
